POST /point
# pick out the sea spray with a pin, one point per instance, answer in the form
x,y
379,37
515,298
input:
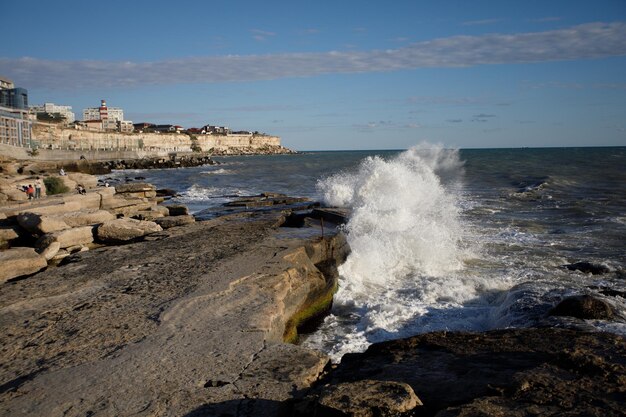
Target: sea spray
x,y
404,234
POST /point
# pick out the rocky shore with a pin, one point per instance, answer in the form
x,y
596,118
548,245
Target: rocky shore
x,y
129,307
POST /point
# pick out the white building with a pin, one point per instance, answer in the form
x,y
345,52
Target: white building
x,y
65,111
103,112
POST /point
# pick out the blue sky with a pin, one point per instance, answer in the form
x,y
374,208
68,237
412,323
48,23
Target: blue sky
x,y
336,75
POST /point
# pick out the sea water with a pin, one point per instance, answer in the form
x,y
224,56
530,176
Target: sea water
x,y
445,239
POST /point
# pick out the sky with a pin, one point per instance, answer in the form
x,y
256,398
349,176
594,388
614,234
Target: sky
x,y
335,75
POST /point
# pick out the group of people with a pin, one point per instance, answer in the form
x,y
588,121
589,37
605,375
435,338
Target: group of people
x,y
33,192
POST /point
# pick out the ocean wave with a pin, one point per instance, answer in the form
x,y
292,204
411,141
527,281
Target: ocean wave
x,y
405,236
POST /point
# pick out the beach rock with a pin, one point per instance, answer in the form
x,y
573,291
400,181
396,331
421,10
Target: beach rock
x,y
367,398
125,229
137,189
173,221
588,268
177,210
88,217
50,251
66,238
40,223
17,262
161,209
86,180
8,234
584,307
513,372
166,192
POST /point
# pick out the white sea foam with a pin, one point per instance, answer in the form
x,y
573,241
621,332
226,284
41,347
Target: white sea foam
x,y
406,257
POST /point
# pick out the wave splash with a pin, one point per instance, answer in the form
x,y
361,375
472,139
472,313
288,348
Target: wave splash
x,y
404,233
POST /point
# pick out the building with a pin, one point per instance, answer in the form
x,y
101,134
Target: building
x,y
16,98
103,113
6,84
216,130
51,109
15,127
125,126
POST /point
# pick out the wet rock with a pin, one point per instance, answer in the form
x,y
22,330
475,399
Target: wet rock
x,y
166,192
177,210
513,372
588,268
17,262
584,307
367,398
124,230
173,221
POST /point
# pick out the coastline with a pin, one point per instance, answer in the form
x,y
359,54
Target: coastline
x,y
192,321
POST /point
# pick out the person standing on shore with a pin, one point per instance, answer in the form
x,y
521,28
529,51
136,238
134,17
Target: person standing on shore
x,y
30,192
37,188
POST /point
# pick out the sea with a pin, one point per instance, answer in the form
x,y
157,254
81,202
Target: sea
x,y
445,239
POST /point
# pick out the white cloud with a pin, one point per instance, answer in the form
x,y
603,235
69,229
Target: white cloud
x,y
588,41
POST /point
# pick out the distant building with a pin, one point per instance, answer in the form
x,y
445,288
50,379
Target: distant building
x,y
15,127
51,108
6,84
103,113
143,127
216,130
125,126
16,98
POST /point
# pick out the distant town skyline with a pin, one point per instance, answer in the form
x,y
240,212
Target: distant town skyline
x,y
336,75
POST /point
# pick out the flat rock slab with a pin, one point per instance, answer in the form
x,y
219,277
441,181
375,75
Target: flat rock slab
x,y
17,262
173,221
190,323
124,229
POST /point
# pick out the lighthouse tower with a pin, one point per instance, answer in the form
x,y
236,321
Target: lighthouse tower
x,y
104,111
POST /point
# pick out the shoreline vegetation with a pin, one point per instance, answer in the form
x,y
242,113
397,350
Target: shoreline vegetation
x,y
116,302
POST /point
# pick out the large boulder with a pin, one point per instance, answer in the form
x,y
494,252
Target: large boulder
x,y
125,229
173,221
41,224
70,237
177,210
584,307
50,251
88,217
137,189
8,234
367,398
86,180
18,262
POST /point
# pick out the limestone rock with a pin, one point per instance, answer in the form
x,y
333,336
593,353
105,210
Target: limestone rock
x,y
86,180
124,229
7,235
17,262
89,217
178,210
41,224
161,209
137,189
368,398
50,251
584,307
66,238
173,221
